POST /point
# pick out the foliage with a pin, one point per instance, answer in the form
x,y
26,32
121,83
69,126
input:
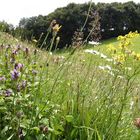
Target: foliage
x,y
113,20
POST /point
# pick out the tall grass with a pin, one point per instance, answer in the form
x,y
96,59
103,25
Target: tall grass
x,y
47,96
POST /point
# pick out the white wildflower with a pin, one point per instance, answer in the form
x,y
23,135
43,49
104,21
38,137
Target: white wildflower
x,y
103,56
89,51
108,67
94,43
101,67
92,52
131,104
111,73
96,52
109,59
128,68
119,76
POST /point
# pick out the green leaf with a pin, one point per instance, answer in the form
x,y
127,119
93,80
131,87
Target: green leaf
x,y
36,129
4,130
3,109
69,118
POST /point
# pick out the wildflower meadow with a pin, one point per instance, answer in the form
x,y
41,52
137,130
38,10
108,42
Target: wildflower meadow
x,y
81,94
67,76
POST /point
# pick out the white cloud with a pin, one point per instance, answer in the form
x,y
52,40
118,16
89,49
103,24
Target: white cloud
x,y
13,10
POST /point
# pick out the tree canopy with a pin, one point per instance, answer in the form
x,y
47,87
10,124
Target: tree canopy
x,y
114,19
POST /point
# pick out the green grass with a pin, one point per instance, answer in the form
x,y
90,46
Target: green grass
x,y
66,98
104,44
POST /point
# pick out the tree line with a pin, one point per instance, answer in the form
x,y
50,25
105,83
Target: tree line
x,y
112,20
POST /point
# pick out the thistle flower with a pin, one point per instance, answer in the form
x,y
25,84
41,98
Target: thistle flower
x,y
15,74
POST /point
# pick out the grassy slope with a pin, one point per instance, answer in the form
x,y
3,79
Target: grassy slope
x,y
81,88
114,42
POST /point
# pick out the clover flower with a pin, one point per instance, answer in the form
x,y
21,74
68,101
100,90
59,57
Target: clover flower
x,y
15,74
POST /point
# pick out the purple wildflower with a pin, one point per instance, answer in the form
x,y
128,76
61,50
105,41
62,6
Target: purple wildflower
x,y
24,84
8,93
15,74
14,52
21,85
19,66
18,87
2,78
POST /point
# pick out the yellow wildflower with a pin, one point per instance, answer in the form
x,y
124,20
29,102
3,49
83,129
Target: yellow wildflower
x,y
120,37
112,49
137,56
34,40
56,28
120,58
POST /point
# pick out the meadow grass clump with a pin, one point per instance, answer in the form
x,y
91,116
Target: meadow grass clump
x,y
81,95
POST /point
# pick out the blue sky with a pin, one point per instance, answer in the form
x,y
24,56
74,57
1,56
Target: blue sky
x,y
13,10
